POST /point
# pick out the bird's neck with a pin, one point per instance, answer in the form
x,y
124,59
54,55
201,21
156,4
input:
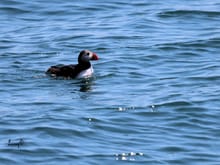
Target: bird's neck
x,y
84,65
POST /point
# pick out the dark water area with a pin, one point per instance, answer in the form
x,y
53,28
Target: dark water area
x,y
154,98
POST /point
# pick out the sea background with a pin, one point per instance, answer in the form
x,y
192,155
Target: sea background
x,y
154,98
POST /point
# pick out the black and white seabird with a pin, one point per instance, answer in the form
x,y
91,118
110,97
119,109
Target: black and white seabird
x,y
83,69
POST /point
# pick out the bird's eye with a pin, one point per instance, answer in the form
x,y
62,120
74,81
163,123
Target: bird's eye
x,y
87,54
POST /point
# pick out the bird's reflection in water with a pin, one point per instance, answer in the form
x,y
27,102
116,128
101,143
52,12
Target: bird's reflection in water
x,y
86,84
86,87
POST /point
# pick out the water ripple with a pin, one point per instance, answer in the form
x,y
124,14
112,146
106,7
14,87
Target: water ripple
x,y
154,98
191,13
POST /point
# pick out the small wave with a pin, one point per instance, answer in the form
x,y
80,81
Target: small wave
x,y
173,149
13,10
175,103
202,44
180,13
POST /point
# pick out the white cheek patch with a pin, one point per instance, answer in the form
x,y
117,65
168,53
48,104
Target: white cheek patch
x,y
85,58
90,55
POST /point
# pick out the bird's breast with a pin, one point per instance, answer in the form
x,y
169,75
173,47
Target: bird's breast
x,y
85,73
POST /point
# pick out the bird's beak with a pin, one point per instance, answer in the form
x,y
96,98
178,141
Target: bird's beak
x,y
94,57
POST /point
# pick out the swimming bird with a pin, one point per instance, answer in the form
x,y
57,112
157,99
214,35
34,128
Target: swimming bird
x,y
83,69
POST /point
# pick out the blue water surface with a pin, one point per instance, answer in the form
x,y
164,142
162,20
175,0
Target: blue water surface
x,y
154,98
